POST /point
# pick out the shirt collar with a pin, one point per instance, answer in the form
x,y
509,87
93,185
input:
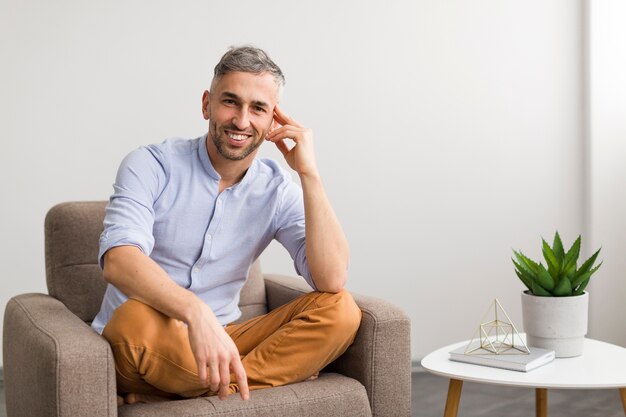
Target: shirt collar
x,y
204,158
247,177
208,166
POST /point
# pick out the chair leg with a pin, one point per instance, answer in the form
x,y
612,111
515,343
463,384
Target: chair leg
x,y
541,402
622,394
454,397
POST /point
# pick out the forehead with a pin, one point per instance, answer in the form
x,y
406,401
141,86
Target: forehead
x,y
248,86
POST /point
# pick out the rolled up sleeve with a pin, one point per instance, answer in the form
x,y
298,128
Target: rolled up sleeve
x,y
129,217
290,229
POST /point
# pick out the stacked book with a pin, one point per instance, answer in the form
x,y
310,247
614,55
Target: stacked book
x,y
512,359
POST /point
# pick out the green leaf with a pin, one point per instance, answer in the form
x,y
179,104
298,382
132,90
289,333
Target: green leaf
x,y
528,283
557,247
525,269
571,256
581,287
577,280
538,290
545,279
570,272
554,266
532,266
564,288
528,275
586,266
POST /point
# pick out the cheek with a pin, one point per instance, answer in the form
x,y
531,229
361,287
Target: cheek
x,y
221,114
265,123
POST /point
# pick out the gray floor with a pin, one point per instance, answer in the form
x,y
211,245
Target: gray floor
x,y
429,398
430,391
3,412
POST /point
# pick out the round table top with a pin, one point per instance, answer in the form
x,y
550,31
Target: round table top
x,y
602,365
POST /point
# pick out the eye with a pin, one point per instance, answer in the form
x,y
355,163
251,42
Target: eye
x,y
228,101
259,109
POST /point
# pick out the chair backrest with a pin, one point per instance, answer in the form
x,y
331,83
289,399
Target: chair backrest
x,y
73,276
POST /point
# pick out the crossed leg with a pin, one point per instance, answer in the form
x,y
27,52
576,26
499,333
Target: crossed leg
x,y
292,343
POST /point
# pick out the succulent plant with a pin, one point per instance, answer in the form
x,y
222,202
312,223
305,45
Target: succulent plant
x,y
561,276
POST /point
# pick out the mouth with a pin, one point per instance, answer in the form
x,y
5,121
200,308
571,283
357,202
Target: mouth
x,y
237,138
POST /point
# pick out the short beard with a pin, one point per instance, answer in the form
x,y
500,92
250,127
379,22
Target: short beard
x,y
221,146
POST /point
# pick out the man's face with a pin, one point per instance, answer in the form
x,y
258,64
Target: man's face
x,y
240,111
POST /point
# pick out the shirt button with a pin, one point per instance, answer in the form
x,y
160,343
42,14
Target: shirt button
x,y
209,237
196,269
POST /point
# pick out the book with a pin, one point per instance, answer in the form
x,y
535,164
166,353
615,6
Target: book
x,y
513,360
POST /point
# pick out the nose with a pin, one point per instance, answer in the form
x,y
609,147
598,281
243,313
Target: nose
x,y
241,119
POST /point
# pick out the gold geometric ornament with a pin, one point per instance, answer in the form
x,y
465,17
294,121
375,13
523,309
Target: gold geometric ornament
x,y
498,336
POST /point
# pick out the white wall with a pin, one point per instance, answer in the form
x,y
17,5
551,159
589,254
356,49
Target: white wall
x,y
608,168
447,132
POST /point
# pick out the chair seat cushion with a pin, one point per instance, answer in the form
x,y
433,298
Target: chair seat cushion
x,y
329,395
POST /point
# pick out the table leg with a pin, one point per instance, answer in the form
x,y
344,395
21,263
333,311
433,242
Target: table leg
x,y
541,402
454,397
622,394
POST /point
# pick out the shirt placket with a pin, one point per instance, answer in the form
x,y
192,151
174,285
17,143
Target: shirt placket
x,y
209,239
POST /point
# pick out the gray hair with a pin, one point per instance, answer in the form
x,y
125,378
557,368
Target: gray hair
x,y
248,59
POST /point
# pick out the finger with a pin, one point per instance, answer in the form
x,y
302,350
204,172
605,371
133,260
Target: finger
x,y
202,372
242,379
285,132
224,379
223,393
282,147
280,130
214,375
279,116
283,119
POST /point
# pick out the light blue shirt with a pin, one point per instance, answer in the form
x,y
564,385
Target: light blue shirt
x,y
166,202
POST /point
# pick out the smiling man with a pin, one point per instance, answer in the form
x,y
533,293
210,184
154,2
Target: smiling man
x,y
185,223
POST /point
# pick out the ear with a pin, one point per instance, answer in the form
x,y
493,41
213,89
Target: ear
x,y
206,105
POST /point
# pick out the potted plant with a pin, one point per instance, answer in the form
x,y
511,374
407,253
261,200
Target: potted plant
x,y
555,305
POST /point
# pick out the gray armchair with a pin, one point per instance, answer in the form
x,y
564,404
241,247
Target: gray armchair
x,y
56,365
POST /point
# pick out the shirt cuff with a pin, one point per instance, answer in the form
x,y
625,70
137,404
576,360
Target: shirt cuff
x,y
124,238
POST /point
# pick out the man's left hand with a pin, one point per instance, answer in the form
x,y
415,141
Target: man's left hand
x,y
301,157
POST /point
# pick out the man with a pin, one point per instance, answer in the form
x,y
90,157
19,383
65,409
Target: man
x,y
186,221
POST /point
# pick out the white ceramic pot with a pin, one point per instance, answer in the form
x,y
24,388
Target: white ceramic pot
x,y
558,323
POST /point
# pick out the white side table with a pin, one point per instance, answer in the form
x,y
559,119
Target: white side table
x,y
601,366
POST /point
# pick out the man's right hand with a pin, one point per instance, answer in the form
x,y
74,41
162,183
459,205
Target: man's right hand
x,y
139,277
214,349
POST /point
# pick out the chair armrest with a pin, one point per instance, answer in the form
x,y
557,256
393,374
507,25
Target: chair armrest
x,y
54,363
379,358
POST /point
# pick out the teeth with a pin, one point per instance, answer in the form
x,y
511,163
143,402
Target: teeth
x,y
237,137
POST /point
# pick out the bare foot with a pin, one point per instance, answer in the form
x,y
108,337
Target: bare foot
x,y
120,401
133,398
313,377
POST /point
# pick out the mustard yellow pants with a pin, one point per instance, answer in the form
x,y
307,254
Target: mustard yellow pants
x,y
289,344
